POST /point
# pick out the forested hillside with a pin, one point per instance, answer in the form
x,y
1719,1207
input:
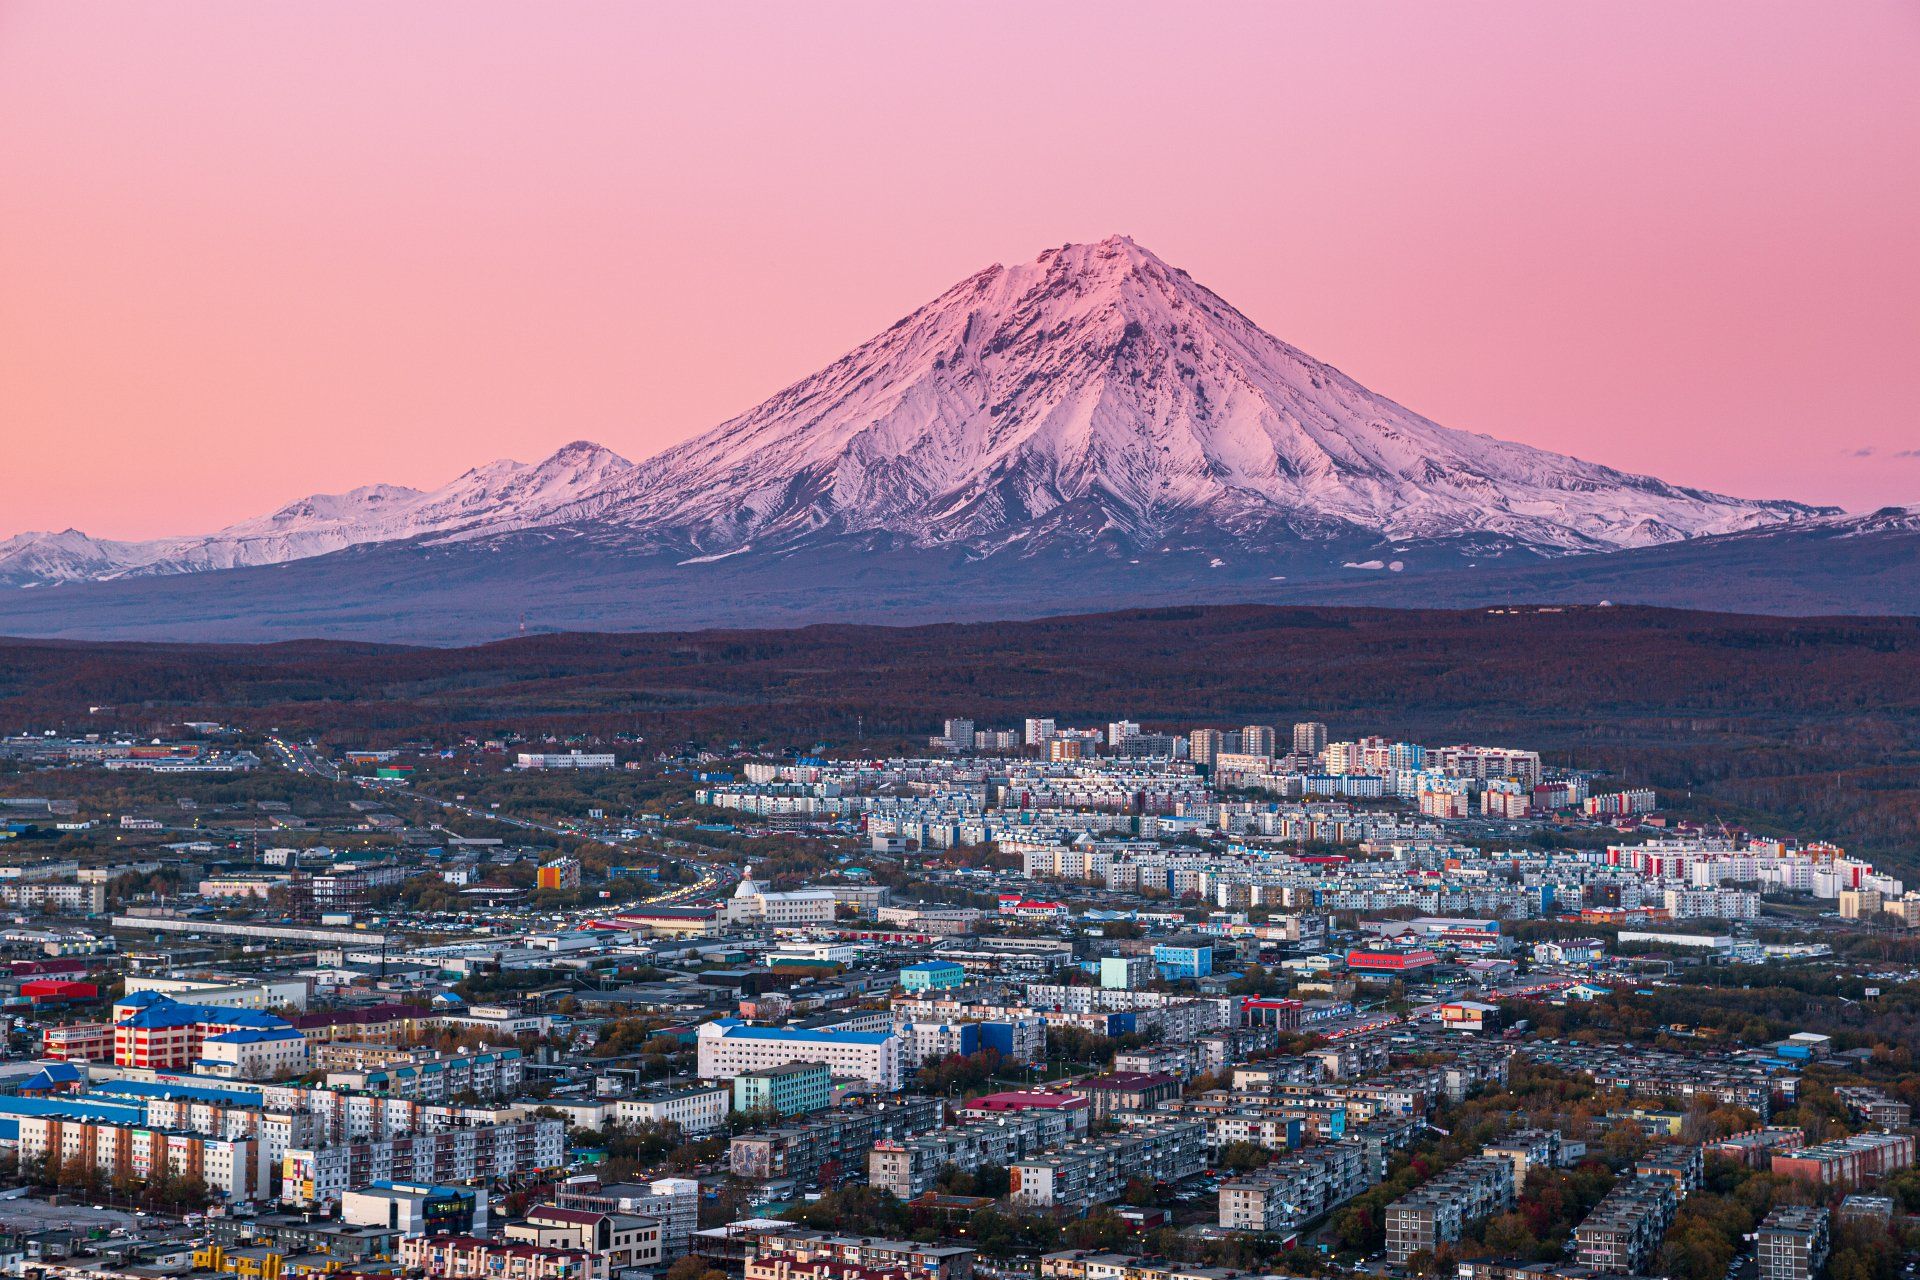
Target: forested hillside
x,y
1795,725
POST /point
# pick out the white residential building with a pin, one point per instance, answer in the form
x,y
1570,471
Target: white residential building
x,y
729,1046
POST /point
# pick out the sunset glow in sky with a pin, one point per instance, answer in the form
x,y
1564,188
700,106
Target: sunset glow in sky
x,y
249,252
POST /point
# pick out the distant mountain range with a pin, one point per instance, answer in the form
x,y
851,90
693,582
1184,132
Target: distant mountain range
x,y
503,495
1090,429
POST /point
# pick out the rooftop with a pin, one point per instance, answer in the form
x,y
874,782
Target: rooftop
x,y
733,1027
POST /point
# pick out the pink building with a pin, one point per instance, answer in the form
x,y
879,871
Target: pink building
x,y
466,1258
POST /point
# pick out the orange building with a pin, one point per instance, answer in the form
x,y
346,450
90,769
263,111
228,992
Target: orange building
x,y
561,873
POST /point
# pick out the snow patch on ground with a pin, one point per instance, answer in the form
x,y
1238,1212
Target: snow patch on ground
x,y
720,556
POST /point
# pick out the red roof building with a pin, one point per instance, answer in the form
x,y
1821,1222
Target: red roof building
x,y
1078,1110
1020,1100
1390,961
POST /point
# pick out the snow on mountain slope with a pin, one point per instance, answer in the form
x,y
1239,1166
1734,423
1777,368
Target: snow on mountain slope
x,y
1099,392
1094,399
501,496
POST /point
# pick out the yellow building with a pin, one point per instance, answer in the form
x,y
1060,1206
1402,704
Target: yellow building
x,y
249,1264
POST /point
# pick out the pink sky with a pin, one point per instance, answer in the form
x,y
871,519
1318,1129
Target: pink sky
x,y
252,251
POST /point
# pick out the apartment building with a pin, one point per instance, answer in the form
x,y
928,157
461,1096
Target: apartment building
x,y
1756,1148
228,1166
316,1177
729,1046
1712,904
467,1258
1125,1091
78,1042
1095,1171
1348,1061
924,1042
673,1202
1222,1049
696,1109
1127,973
253,1053
1297,1187
1623,1233
934,921
909,1166
1864,1157
1076,1113
1874,1106
67,899
1435,1213
1526,1150
796,1088
1275,1127
815,1269
1177,1018
623,1240
1156,1059
155,1031
927,1261
1257,740
378,1023
1793,1242
559,873
432,1077
1683,1164
1644,1073
1205,746
839,1137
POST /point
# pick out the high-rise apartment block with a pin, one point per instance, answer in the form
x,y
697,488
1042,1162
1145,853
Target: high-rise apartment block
x,y
1793,1242
1205,745
1436,1213
1624,1231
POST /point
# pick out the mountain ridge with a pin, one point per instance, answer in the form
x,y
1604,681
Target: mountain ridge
x,y
1092,427
441,592
502,495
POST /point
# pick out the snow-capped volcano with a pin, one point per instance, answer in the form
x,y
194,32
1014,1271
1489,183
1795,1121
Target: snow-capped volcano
x,y
500,496
1099,394
1095,400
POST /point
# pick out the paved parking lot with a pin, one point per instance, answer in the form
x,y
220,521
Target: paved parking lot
x,y
30,1214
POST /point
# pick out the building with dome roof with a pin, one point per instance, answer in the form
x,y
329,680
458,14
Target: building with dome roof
x,y
754,902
